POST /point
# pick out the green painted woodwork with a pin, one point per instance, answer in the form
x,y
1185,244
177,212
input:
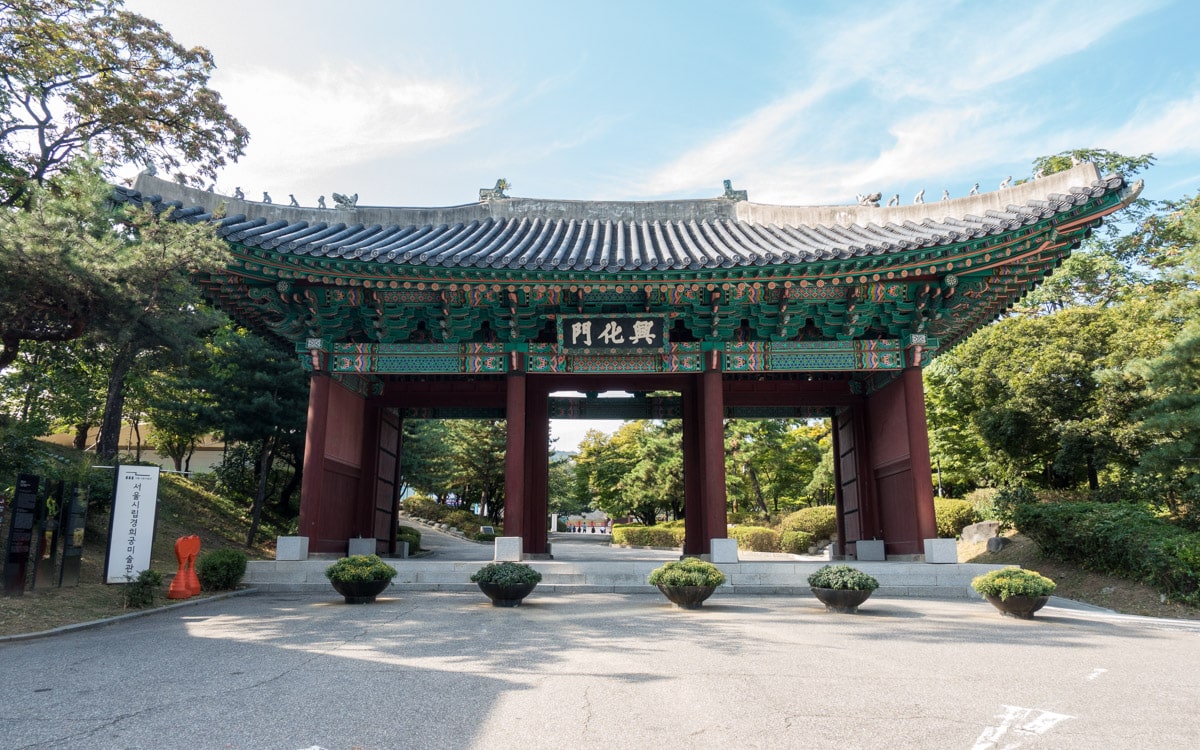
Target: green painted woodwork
x,y
854,314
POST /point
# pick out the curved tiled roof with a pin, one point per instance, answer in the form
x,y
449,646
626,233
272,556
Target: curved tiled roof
x,y
579,236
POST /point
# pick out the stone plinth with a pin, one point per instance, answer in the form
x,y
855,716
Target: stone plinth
x,y
362,546
291,548
508,549
869,550
723,550
941,551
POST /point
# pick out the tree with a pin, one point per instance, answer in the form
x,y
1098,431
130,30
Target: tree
x,y
84,77
476,450
1171,420
78,74
259,396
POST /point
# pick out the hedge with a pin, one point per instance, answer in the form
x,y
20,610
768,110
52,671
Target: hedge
x,y
819,520
755,538
221,570
648,536
1123,540
796,542
953,516
410,535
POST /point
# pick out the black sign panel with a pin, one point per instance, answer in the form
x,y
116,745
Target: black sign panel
x,y
612,333
45,574
74,521
20,533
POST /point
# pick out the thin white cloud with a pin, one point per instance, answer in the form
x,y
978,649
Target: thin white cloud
x,y
1173,128
915,59
346,116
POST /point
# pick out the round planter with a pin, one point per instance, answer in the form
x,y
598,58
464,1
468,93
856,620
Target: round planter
x,y
360,592
1021,607
687,597
845,601
506,595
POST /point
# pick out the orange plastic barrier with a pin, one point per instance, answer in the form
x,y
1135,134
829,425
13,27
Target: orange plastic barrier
x,y
185,584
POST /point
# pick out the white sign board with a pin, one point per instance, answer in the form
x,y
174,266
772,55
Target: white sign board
x,y
131,532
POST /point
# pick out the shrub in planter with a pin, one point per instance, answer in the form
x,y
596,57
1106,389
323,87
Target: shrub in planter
x,y
687,582
506,573
221,570
690,571
506,583
796,542
1008,582
819,520
360,578
842,577
1015,591
357,568
952,517
841,588
756,538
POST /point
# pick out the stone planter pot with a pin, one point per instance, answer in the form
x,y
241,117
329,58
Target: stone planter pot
x,y
360,592
845,601
1021,607
687,597
506,595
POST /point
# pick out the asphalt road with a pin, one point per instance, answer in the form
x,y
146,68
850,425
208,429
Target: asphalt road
x,y
446,670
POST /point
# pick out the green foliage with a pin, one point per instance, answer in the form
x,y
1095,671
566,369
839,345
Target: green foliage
x,y
138,593
506,574
842,577
819,520
360,568
755,538
953,516
1008,499
1117,539
983,501
1008,582
648,536
221,570
690,571
410,535
796,542
88,74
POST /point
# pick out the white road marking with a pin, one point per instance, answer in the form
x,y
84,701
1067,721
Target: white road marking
x,y
1021,721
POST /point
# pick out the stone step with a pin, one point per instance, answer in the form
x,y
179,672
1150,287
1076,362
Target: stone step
x,y
904,579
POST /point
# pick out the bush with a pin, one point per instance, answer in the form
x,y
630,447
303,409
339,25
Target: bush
x,y
138,593
506,574
360,568
410,535
690,571
819,520
755,538
1008,499
952,517
1008,582
221,570
648,536
842,577
796,542
984,502
1123,540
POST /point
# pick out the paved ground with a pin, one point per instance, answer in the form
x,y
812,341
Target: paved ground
x,y
446,670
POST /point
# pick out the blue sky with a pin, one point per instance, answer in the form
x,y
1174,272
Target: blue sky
x,y
423,103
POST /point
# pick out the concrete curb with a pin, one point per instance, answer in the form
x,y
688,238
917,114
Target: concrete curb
x,y
127,616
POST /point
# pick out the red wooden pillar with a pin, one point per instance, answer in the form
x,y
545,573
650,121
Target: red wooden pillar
x,y
514,453
364,511
537,468
918,451
314,455
712,410
695,539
